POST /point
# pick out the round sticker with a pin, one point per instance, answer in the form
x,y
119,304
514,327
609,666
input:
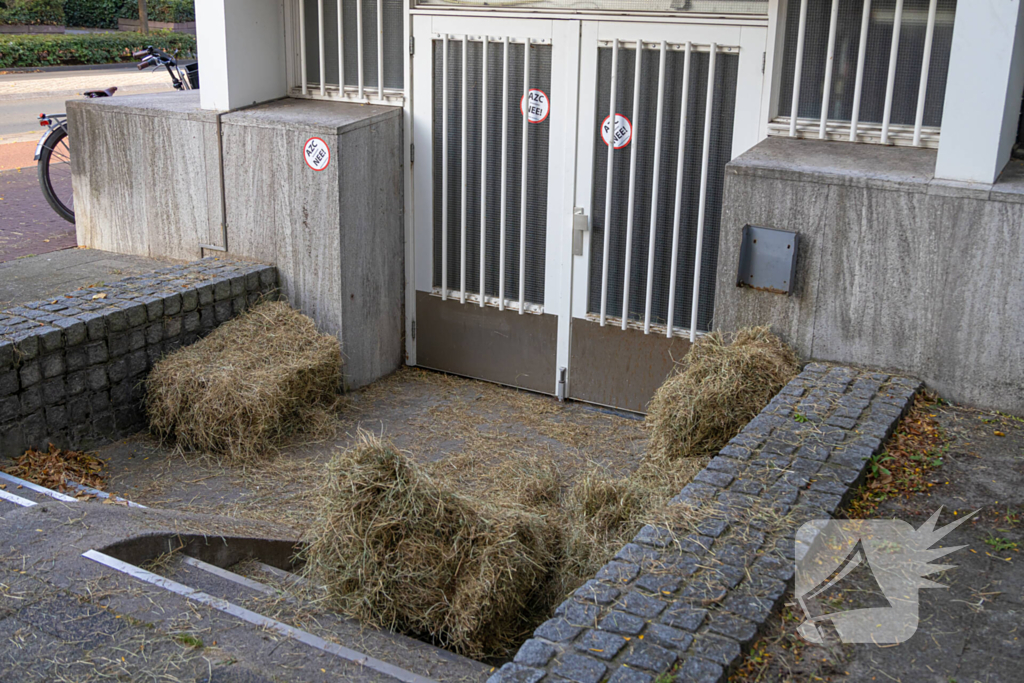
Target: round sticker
x,y
539,105
317,154
623,131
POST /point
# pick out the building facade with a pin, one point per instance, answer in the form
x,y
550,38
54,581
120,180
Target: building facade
x,y
584,181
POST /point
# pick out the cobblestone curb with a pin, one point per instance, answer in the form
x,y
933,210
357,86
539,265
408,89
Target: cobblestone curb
x,y
71,368
691,591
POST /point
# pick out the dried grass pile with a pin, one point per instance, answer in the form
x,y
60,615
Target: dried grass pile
x,y
253,381
399,550
716,389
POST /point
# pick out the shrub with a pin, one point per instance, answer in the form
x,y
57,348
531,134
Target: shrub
x,y
96,13
32,12
100,48
105,13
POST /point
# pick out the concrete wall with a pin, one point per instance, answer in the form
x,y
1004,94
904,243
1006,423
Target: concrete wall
x,y
147,182
897,270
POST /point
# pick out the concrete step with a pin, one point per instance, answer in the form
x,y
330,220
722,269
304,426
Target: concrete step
x,y
290,599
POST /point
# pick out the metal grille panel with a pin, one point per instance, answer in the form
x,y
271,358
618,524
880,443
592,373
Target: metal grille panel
x,y
355,13
645,134
487,199
876,66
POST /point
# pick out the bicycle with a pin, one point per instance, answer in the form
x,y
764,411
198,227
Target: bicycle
x,y
53,153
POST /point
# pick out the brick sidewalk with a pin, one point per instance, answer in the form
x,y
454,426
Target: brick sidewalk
x,y
27,223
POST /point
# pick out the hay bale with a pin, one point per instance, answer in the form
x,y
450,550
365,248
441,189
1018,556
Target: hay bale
x,y
247,385
715,390
397,550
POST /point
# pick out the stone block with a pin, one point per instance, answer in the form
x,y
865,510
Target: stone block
x,y
96,353
716,648
580,669
557,630
647,655
30,374
699,670
9,382
52,365
516,673
600,644
535,652
97,378
620,622
56,418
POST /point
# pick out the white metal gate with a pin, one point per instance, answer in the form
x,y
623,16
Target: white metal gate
x,y
502,293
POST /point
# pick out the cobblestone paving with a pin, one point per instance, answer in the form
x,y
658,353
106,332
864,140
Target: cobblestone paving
x,y
693,589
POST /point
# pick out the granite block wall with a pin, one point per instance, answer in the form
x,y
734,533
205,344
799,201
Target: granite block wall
x,y
72,367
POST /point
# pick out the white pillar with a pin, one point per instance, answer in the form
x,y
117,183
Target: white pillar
x,y
983,91
241,47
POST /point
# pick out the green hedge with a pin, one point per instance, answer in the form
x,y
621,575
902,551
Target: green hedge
x,y
98,48
32,12
105,13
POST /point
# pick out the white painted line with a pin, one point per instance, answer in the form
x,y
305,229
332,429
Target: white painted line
x,y
230,576
37,488
256,619
17,500
103,494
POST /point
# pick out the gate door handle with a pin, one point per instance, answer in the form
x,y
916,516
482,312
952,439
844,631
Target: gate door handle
x,y
580,225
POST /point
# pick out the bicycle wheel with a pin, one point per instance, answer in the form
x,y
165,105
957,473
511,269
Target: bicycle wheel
x,y
55,174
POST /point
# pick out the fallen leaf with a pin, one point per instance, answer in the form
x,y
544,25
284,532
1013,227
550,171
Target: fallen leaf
x,y
101,295
46,240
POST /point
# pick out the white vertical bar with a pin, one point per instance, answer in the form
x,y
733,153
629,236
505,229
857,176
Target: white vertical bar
x,y
323,56
858,88
632,184
826,94
504,177
797,72
654,185
608,183
380,50
302,45
922,88
709,110
465,168
483,179
522,191
359,48
679,191
444,156
341,48
890,83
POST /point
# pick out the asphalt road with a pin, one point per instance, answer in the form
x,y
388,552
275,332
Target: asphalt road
x,y
20,116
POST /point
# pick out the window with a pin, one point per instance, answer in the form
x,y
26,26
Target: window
x,y
370,54
877,67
